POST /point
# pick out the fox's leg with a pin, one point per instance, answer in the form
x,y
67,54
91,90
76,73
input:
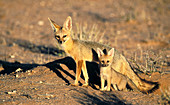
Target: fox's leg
x,y
105,88
115,86
84,69
108,83
123,86
102,83
78,72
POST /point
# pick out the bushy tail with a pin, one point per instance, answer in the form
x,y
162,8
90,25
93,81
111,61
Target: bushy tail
x,y
143,85
147,86
132,85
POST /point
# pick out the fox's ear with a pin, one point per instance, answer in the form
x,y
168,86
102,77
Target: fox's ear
x,y
111,52
54,26
68,24
99,52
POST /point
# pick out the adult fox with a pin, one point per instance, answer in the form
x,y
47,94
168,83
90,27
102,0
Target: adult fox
x,y
82,51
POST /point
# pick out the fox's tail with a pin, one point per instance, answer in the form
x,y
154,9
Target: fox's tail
x,y
132,85
143,85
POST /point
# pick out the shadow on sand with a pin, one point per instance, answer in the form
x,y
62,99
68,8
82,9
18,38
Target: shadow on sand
x,y
92,68
97,98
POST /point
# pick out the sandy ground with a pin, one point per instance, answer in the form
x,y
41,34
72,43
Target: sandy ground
x,y
35,71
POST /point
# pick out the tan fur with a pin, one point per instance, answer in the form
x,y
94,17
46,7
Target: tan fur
x,y
118,80
81,51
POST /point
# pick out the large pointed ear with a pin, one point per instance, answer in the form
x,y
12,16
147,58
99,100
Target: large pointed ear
x,y
99,52
111,52
68,24
54,26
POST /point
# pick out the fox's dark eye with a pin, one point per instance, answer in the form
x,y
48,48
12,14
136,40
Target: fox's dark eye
x,y
108,61
102,61
57,36
64,36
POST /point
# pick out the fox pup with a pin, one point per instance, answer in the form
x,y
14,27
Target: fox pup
x,y
82,51
118,80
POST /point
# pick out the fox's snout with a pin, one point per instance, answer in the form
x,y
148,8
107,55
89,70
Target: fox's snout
x,y
104,65
60,42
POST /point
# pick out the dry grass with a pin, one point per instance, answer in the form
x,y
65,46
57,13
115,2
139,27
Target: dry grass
x,y
148,61
165,97
88,32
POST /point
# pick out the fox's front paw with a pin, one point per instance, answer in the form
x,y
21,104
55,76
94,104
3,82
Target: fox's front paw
x,y
102,89
85,85
107,89
74,85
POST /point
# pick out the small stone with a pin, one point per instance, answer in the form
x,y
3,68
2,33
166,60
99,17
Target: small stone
x,y
19,69
12,56
35,88
47,97
29,73
13,92
41,23
52,96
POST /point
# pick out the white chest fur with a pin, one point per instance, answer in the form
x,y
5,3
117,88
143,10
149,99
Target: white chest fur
x,y
104,72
